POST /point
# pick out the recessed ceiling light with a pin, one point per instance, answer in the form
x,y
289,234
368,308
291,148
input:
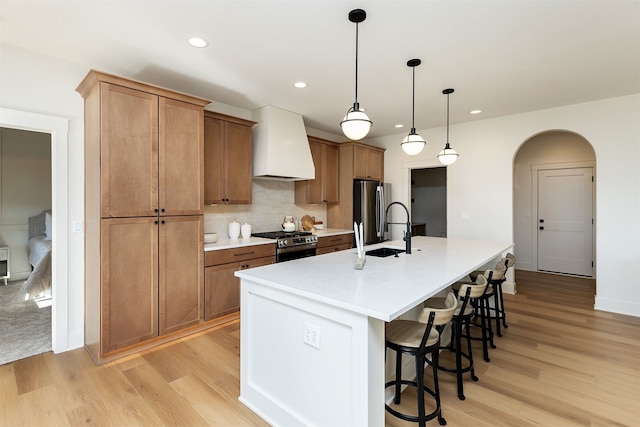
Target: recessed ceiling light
x,y
475,111
300,85
198,42
399,125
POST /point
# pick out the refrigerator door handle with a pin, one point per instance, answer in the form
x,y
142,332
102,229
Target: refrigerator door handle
x,y
380,220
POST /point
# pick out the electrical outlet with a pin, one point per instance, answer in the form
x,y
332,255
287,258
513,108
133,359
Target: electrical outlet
x,y
312,335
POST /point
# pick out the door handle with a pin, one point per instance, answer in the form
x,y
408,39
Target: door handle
x,y
541,227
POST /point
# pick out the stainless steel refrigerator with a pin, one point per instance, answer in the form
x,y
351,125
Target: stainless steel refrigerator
x,y
370,200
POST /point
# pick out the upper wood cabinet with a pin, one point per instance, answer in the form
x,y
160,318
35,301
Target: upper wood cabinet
x,y
228,154
368,162
324,188
151,151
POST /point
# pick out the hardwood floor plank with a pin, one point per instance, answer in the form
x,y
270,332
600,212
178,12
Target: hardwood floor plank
x,y
161,398
218,409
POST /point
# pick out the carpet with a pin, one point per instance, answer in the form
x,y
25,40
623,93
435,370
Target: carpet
x,y
25,326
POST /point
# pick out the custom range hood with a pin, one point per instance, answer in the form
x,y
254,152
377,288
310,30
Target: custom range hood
x,y
280,146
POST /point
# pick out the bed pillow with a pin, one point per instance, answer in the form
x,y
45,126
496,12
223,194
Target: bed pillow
x,y
47,226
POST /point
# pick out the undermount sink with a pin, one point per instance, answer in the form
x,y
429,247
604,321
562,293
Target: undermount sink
x,y
385,252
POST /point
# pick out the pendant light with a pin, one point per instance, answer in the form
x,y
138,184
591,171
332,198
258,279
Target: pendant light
x,y
413,143
356,123
448,155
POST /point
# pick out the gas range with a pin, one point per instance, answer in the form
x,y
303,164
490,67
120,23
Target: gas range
x,y
291,245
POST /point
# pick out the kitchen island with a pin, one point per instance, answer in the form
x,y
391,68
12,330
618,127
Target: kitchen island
x,y
312,330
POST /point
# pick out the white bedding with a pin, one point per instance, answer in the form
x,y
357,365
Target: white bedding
x,y
38,248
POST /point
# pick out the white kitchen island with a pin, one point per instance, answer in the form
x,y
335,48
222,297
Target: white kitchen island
x,y
312,349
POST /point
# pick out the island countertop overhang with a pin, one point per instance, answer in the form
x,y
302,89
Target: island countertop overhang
x,y
386,287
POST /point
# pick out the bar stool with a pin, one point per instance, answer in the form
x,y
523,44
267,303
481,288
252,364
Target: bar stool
x,y
497,312
419,340
481,313
461,319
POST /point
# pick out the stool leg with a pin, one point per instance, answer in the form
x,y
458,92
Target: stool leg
x,y
396,398
483,327
458,349
496,310
469,349
503,313
436,386
420,389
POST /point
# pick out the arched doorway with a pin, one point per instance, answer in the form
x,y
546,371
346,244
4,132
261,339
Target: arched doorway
x,y
553,173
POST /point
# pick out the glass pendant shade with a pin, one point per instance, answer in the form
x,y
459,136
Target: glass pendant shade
x,y
355,125
448,155
413,144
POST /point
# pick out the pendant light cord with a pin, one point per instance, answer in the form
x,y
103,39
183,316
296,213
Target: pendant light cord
x,y
448,120
355,105
413,103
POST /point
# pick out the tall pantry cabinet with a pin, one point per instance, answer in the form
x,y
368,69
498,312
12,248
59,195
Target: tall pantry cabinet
x,y
144,225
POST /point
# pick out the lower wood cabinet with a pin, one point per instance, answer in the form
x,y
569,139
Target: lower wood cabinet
x,y
222,288
340,242
151,279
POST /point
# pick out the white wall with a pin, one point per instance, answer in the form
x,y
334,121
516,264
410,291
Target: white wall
x,y
484,172
25,190
46,85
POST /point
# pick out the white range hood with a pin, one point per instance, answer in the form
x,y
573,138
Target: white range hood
x,y
280,145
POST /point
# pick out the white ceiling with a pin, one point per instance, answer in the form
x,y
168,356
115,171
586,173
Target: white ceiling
x,y
500,56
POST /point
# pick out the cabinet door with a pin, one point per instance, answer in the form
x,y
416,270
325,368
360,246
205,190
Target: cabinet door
x,y
222,288
228,162
181,282
375,164
129,152
238,163
213,160
330,176
368,163
314,193
129,276
181,158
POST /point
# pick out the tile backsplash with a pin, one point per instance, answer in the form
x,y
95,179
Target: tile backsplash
x,y
272,200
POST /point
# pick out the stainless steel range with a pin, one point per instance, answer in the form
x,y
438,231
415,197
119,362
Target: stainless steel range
x,y
292,245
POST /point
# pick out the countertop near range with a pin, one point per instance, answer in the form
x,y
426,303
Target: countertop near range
x,y
331,232
237,243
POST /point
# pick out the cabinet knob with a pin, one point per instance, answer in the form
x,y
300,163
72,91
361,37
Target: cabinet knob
x,y
156,210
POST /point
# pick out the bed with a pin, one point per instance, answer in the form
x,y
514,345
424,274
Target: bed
x,y
39,249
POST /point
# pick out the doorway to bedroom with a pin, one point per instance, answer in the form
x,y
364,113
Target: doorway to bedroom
x,y
25,193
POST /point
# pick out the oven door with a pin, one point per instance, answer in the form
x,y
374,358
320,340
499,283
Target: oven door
x,y
296,252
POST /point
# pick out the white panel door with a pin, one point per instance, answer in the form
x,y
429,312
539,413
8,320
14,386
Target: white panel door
x,y
565,221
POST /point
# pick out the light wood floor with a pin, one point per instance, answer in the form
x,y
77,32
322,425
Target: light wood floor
x,y
560,363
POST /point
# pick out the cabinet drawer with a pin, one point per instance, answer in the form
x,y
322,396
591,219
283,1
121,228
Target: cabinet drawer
x,y
4,254
336,248
224,256
340,239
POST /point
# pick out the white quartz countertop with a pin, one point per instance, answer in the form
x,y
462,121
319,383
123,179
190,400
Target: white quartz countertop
x,y
331,232
386,287
237,243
